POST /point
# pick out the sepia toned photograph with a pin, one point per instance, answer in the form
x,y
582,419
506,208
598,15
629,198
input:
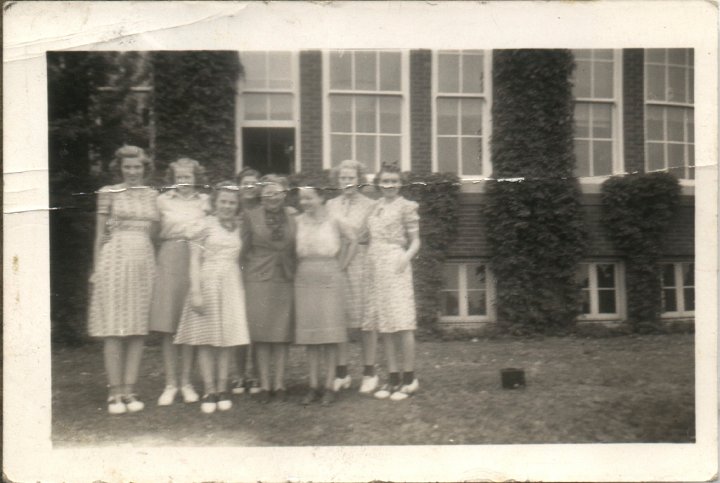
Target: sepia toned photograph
x,y
274,253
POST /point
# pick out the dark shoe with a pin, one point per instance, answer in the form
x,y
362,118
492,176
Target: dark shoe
x,y
280,395
263,397
328,398
312,396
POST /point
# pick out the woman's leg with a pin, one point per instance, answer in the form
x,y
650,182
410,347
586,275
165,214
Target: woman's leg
x,y
313,358
169,351
263,357
186,353
223,362
133,356
407,340
280,353
342,357
390,352
369,347
205,359
331,358
113,356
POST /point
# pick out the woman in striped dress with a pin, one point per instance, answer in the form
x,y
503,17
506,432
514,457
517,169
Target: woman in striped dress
x,y
214,314
124,270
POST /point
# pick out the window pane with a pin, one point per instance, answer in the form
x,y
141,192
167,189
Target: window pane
x,y
691,125
604,54
688,270
689,294
655,82
605,275
476,276
340,70
603,80
447,116
471,161
365,114
281,107
655,55
676,155
472,72
450,303
279,70
583,275
365,149
669,300
601,120
254,65
602,158
390,115
340,114
447,155
582,158
366,71
340,147
677,56
477,302
471,121
582,54
582,81
389,149
654,123
677,89
450,276
675,124
582,120
448,72
390,71
255,106
656,156
606,302
668,275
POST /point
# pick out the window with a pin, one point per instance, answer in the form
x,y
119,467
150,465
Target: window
x,y
366,104
461,81
678,288
466,291
599,283
596,90
268,112
669,111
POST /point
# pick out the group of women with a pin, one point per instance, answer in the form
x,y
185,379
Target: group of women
x,y
238,276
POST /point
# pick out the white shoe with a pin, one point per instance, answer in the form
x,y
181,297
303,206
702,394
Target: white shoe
x,y
369,384
116,405
386,391
342,383
208,404
188,394
132,403
405,391
238,387
224,402
168,396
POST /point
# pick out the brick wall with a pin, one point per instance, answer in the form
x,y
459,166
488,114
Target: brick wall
x,y
311,138
421,111
633,109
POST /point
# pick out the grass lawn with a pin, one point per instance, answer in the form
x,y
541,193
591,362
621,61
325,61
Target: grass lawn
x,y
579,390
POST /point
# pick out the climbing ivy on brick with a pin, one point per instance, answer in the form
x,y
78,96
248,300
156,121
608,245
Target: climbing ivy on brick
x,y
535,222
636,212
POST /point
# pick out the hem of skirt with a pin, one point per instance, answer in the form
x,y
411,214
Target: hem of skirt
x,y
321,343
219,345
118,335
395,329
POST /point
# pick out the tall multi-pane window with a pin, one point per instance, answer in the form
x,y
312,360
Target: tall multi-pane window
x,y
466,291
596,113
268,111
669,111
599,284
461,112
678,288
366,101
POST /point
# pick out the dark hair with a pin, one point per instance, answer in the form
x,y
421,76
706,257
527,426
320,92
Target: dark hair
x,y
197,169
226,186
244,173
275,179
388,168
127,152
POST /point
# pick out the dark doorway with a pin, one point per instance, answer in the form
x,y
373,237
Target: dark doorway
x,y
269,149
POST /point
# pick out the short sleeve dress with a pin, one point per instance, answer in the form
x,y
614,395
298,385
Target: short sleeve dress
x,y
354,210
120,295
223,321
391,300
178,217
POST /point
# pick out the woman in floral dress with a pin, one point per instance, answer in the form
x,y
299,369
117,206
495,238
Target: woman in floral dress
x,y
124,271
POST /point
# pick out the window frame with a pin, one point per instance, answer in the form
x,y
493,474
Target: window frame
x,y
463,316
620,298
403,94
679,289
487,99
616,117
294,123
667,104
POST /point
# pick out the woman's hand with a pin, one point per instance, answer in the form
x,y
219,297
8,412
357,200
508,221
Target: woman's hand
x,y
402,264
196,301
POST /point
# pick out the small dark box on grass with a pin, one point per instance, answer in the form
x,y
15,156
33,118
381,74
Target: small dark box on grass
x,y
512,378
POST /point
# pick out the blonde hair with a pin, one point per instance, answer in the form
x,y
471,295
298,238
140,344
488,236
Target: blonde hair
x,y
131,152
359,168
197,169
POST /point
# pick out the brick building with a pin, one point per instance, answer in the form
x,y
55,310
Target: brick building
x,y
431,111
